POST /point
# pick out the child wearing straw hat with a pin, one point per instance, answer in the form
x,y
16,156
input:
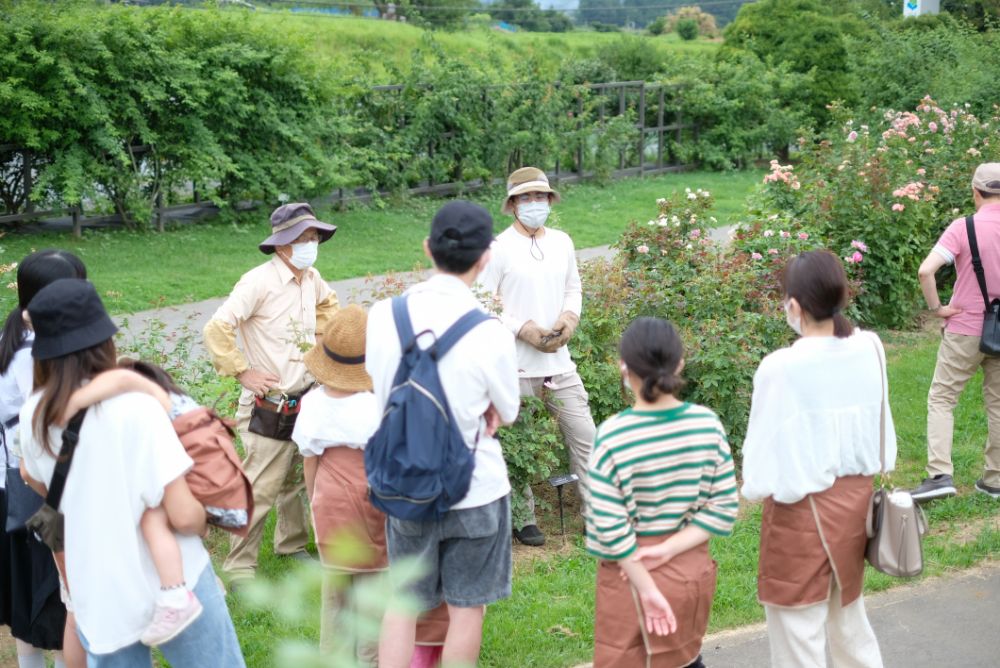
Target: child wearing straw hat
x,y
336,421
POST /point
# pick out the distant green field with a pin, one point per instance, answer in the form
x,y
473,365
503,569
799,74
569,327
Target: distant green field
x,y
374,49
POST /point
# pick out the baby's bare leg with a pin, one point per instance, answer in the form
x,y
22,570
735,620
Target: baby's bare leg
x,y
163,548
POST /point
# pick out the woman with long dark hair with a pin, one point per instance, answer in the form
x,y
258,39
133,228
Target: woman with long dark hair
x,y
128,459
29,583
811,451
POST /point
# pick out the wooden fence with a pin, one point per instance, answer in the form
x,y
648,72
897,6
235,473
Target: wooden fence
x,y
659,125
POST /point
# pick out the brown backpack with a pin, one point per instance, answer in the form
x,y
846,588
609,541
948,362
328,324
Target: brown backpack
x,y
217,478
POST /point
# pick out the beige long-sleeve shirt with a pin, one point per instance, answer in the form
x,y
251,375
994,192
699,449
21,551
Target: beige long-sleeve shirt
x,y
278,319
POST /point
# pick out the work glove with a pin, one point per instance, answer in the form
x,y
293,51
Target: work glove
x,y
563,330
535,336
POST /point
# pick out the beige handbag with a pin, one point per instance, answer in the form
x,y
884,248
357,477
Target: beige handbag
x,y
895,524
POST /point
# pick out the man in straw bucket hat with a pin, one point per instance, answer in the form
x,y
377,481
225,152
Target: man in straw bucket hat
x,y
533,271
959,354
278,308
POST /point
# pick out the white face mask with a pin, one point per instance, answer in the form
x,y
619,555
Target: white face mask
x,y
533,214
795,322
304,254
625,379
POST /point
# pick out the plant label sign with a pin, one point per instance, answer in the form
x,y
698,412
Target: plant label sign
x,y
921,7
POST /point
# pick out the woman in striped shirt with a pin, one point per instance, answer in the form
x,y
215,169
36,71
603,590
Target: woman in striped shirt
x,y
662,483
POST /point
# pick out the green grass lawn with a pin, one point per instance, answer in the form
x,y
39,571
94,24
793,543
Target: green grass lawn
x,y
548,622
135,271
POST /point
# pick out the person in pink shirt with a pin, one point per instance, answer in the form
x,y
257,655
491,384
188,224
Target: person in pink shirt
x,y
958,356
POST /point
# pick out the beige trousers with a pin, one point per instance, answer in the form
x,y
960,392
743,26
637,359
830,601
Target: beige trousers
x,y
957,360
566,400
799,636
275,471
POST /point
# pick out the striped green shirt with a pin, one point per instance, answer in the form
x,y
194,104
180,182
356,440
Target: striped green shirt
x,y
655,472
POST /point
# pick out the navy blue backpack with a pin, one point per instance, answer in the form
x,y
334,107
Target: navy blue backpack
x,y
417,463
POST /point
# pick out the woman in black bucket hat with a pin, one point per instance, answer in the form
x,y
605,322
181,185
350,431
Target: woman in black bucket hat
x,y
128,460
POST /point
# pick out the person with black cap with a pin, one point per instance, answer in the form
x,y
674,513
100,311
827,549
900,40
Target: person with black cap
x,y
467,552
127,461
279,309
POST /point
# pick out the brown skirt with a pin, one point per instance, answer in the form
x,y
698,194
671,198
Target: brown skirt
x,y
620,639
350,532
803,545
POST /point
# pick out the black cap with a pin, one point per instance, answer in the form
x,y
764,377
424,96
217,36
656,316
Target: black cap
x,y
67,316
462,225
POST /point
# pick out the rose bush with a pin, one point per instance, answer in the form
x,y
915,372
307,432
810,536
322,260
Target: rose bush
x,y
895,186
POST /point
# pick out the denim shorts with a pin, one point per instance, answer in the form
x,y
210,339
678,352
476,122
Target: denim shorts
x,y
466,555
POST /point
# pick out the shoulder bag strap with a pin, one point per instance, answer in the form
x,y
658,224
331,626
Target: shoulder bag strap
x,y
70,437
881,420
977,262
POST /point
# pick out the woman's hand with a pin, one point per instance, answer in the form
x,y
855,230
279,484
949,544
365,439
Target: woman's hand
x,y
654,556
660,619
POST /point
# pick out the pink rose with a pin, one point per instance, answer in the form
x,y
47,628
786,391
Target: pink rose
x,y
921,171
898,207
756,256
772,251
859,245
803,236
642,248
932,126
852,137
857,257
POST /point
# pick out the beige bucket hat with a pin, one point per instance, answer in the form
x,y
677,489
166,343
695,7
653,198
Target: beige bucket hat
x,y
987,178
527,180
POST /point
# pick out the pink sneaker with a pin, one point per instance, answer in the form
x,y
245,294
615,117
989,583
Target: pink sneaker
x,y
168,623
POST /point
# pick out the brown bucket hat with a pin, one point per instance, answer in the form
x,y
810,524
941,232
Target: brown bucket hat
x,y
289,221
339,361
527,180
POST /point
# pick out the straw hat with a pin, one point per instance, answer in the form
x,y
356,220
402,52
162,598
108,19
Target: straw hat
x,y
527,180
339,361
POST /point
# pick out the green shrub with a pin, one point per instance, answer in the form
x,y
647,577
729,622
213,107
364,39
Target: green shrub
x,y
744,108
704,21
657,26
210,97
687,29
895,186
530,448
809,35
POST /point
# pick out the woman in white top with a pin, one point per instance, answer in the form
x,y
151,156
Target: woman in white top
x,y
811,451
128,459
29,583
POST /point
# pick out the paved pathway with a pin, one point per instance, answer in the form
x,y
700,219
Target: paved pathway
x,y
194,315
935,623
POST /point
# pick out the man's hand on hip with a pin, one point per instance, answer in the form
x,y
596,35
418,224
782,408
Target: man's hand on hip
x,y
945,311
258,382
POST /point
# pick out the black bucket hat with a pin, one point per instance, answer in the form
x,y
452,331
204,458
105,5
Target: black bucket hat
x,y
67,316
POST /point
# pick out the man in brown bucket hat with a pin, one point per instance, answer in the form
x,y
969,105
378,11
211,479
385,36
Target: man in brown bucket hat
x,y
279,309
533,271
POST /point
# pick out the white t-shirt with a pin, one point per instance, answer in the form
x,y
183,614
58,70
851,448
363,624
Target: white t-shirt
x,y
479,370
15,386
535,289
127,453
326,421
815,416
